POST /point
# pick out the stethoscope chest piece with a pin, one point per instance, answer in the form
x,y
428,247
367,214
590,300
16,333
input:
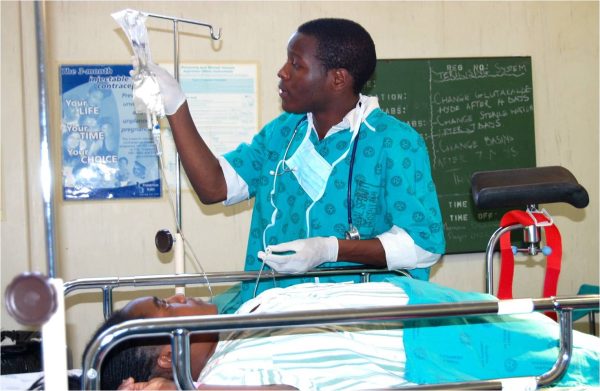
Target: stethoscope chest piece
x,y
352,233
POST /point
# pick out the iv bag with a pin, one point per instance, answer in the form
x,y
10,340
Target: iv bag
x,y
146,91
133,24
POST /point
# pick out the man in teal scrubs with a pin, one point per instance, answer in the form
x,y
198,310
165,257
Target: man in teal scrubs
x,y
300,167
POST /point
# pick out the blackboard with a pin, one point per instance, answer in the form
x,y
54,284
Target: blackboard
x,y
475,114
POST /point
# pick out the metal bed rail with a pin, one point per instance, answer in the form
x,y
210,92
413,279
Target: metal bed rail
x,y
107,284
179,330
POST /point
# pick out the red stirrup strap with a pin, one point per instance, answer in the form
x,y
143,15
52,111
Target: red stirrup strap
x,y
507,265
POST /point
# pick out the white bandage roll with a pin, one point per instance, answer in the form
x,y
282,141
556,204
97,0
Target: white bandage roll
x,y
515,306
519,384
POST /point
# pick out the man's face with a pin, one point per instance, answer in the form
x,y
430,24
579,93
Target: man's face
x,y
304,81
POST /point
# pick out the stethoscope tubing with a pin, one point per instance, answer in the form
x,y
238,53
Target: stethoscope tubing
x,y
350,172
352,231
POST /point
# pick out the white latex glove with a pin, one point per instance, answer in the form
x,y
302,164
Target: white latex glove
x,y
305,254
146,93
155,91
172,94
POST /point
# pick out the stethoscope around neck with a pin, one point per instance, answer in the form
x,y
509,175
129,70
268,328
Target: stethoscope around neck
x,y
352,232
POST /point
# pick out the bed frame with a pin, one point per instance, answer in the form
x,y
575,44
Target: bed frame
x,y
179,329
490,190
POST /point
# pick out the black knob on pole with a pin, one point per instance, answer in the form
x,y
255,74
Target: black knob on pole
x,y
164,241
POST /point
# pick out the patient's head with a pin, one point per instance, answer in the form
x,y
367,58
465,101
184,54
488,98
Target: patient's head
x,y
148,357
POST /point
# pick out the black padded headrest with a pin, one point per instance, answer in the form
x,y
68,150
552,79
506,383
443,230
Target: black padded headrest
x,y
526,186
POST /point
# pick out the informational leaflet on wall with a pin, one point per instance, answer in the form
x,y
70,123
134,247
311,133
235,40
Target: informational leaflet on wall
x,y
223,102
107,150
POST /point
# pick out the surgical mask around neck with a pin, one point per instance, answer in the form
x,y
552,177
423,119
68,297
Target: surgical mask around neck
x,y
310,169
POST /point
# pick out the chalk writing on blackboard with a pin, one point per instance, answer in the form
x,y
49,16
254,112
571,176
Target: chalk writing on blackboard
x,y
475,114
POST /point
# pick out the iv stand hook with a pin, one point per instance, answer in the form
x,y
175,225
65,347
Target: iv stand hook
x,y
214,37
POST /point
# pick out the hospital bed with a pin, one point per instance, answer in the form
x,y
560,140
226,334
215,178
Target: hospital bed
x,y
179,329
495,189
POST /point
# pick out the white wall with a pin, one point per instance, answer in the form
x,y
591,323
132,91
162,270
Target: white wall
x,y
110,238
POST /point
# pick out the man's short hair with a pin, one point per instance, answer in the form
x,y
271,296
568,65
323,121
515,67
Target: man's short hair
x,y
344,44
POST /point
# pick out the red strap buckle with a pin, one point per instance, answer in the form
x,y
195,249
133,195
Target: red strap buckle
x,y
553,262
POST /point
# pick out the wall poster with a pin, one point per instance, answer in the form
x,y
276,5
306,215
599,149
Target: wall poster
x,y
107,150
223,102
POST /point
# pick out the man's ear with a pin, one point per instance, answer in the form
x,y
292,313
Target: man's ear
x,y
341,79
164,360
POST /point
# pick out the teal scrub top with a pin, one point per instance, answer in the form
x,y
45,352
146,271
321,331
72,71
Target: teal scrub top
x,y
391,185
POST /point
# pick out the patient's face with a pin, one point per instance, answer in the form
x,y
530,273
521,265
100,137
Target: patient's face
x,y
201,345
177,305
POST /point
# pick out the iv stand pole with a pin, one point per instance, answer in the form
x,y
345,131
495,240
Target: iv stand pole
x,y
179,251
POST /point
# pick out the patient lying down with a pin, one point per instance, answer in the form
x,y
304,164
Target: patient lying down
x,y
327,357
359,356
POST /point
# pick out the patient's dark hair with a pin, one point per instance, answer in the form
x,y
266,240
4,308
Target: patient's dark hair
x,y
134,357
344,44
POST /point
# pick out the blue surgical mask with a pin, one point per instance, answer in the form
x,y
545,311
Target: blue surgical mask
x,y
311,170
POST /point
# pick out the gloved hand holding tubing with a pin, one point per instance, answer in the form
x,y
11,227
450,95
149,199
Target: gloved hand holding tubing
x,y
155,91
170,90
146,93
304,254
